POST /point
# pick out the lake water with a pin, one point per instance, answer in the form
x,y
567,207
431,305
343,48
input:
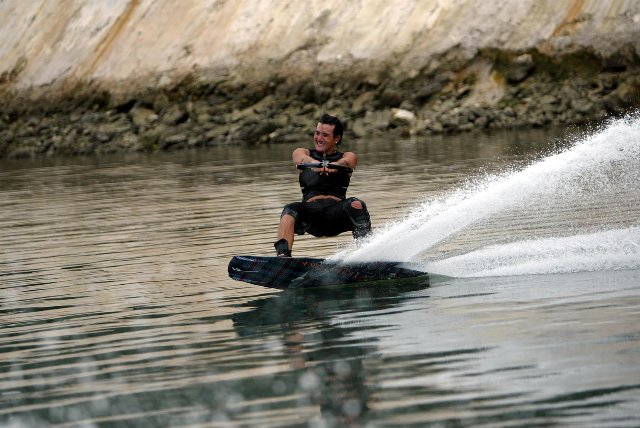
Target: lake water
x,y
116,307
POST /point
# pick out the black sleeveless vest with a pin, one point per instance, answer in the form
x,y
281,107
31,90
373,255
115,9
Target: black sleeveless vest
x,y
334,184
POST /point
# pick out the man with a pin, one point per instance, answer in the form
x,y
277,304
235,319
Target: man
x,y
325,209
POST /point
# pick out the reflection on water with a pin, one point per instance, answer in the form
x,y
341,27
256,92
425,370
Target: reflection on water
x,y
116,308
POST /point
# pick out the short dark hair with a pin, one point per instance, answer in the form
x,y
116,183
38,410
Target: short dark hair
x,y
327,119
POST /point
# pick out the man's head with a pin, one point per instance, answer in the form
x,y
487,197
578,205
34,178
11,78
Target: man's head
x,y
328,134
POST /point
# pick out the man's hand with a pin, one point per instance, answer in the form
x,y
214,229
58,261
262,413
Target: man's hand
x,y
326,168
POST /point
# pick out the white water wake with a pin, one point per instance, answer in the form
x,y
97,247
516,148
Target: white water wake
x,y
611,250
575,210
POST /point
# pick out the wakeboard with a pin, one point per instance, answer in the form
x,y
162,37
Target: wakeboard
x,y
305,272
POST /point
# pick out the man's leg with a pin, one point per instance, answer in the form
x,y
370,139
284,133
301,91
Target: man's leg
x,y
286,229
285,235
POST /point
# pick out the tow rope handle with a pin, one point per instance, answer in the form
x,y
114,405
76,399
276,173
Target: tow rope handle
x,y
324,164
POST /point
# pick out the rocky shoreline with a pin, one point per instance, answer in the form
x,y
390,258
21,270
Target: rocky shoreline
x,y
494,90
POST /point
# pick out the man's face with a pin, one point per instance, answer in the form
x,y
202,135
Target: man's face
x,y
323,138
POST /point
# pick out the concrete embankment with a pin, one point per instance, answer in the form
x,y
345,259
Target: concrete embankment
x,y
96,77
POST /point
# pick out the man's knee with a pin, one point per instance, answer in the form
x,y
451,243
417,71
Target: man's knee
x,y
290,211
357,207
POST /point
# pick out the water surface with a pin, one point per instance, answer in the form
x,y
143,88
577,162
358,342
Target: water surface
x,y
116,308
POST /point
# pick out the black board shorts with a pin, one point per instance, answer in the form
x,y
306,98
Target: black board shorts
x,y
323,217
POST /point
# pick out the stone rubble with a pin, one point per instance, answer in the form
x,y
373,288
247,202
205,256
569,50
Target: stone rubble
x,y
191,115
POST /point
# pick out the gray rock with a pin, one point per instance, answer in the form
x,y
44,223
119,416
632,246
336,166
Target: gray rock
x,y
129,142
378,119
628,92
402,118
520,69
358,128
435,126
174,115
203,118
391,98
582,105
171,140
548,99
363,102
141,116
481,121
101,137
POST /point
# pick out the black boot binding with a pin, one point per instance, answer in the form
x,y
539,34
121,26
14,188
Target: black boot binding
x,y
282,248
360,220
361,230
